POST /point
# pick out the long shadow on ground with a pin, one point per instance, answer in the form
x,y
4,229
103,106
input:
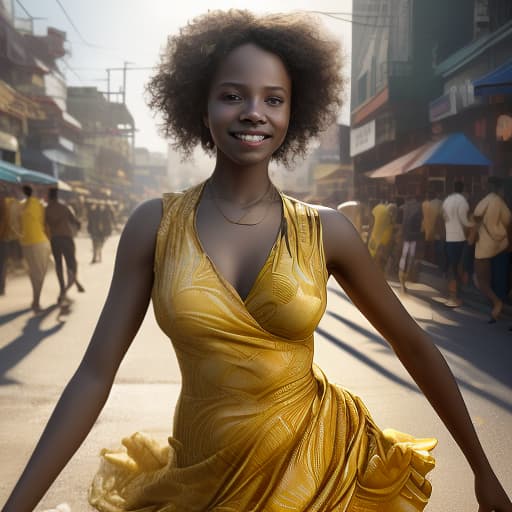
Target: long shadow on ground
x,y
476,343
20,347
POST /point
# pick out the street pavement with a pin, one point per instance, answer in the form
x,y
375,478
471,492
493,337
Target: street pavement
x,y
38,354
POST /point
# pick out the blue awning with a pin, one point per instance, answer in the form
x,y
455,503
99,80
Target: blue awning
x,y
454,149
7,176
22,175
498,81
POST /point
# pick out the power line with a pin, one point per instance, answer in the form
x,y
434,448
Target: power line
x,y
134,69
355,14
68,17
24,9
353,22
72,71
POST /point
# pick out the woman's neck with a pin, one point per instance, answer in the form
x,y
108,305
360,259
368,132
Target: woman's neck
x,y
240,185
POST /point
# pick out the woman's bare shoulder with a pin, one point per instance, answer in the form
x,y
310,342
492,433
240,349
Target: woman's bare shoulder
x,y
340,238
140,231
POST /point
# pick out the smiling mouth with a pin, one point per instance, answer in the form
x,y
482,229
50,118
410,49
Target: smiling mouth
x,y
246,137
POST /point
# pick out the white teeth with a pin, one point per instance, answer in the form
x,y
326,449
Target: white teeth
x,y
249,138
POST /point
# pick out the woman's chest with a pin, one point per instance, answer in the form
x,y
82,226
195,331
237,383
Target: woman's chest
x,y
285,297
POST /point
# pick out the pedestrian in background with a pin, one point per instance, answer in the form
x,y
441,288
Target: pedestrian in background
x,y
433,229
411,235
34,243
491,250
107,221
456,222
381,233
61,224
95,231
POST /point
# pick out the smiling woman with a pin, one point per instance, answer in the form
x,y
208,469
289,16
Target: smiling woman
x,y
312,59
248,107
237,272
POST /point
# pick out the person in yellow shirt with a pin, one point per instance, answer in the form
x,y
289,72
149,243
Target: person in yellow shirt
x,y
433,228
35,244
380,239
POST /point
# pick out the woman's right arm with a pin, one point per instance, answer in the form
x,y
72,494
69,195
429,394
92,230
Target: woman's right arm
x,y
88,389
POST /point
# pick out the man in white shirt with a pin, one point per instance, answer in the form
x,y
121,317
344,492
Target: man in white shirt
x,y
455,214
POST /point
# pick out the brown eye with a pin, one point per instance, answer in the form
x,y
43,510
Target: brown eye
x,y
275,101
231,97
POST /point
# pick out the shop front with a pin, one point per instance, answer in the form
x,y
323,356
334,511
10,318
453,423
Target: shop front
x,y
435,166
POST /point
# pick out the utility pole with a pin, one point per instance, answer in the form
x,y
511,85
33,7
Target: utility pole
x,y
125,64
124,69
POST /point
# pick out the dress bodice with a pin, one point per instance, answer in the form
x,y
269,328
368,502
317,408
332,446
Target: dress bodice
x,y
225,344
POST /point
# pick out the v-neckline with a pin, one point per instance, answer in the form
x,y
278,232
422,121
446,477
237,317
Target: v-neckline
x,y
223,280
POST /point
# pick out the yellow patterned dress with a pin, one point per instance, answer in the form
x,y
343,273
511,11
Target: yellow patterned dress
x,y
257,427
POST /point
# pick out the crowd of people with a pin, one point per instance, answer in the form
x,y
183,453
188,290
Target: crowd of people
x,y
471,246
35,224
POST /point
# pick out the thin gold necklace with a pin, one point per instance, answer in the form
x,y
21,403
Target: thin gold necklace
x,y
246,206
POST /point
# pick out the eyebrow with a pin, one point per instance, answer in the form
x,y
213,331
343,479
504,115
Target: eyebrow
x,y
240,84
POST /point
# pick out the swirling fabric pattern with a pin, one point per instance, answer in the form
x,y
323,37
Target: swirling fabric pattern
x,y
257,427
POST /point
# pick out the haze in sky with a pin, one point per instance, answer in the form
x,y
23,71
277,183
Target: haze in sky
x,y
106,33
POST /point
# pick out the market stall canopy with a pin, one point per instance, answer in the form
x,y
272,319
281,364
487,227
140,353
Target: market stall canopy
x,y
454,149
496,82
7,176
25,175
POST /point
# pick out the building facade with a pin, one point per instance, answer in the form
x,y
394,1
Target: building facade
x,y
477,87
37,131
108,131
396,47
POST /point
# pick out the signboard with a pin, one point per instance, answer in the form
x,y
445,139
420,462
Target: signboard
x,y
444,106
459,97
362,138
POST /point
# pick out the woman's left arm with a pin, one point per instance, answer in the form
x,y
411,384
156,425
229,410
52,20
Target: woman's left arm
x,y
348,260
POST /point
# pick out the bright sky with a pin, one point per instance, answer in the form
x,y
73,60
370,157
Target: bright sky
x,y
111,32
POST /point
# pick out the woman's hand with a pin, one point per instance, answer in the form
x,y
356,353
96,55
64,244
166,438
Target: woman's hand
x,y
490,494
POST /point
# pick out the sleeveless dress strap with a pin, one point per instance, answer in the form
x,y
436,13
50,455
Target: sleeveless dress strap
x,y
308,233
169,201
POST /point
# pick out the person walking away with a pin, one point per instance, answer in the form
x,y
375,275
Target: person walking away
x,y
381,233
456,222
433,229
491,255
106,221
94,230
34,243
61,222
412,221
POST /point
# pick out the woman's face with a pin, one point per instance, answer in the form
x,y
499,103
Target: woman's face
x,y
249,105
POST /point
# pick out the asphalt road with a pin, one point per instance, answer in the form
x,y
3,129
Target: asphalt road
x,y
39,354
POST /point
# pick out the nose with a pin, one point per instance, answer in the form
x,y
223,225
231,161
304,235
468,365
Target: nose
x,y
253,112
